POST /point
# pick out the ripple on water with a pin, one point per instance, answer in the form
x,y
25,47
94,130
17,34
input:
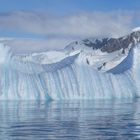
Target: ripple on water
x,y
70,120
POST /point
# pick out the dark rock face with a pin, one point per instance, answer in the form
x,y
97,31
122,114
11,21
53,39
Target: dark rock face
x,y
113,44
96,44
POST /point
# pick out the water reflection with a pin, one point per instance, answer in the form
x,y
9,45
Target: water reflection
x,y
74,120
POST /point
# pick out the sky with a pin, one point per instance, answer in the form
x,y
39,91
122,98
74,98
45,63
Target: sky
x,y
53,24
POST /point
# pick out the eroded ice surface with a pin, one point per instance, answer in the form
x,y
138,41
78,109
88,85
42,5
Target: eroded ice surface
x,y
73,73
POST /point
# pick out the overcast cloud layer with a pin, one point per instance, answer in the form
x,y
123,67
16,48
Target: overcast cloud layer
x,y
60,30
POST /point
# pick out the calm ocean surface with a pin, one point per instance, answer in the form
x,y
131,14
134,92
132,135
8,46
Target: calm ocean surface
x,y
70,120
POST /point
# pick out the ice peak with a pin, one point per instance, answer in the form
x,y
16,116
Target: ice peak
x,y
136,29
5,53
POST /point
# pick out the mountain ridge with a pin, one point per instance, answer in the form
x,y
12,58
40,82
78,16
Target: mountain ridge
x,y
110,44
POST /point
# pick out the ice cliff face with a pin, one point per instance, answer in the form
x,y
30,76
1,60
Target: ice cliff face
x,y
89,69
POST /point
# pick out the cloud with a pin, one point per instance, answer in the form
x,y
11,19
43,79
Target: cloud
x,y
61,29
24,45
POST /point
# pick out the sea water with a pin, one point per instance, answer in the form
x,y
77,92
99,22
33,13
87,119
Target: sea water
x,y
70,120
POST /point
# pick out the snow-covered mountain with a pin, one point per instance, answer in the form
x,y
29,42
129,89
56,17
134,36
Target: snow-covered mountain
x,y
104,54
86,69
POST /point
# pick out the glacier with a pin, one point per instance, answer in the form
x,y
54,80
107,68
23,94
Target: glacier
x,y
24,78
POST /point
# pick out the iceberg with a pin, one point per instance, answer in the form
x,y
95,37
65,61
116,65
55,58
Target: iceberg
x,y
84,73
